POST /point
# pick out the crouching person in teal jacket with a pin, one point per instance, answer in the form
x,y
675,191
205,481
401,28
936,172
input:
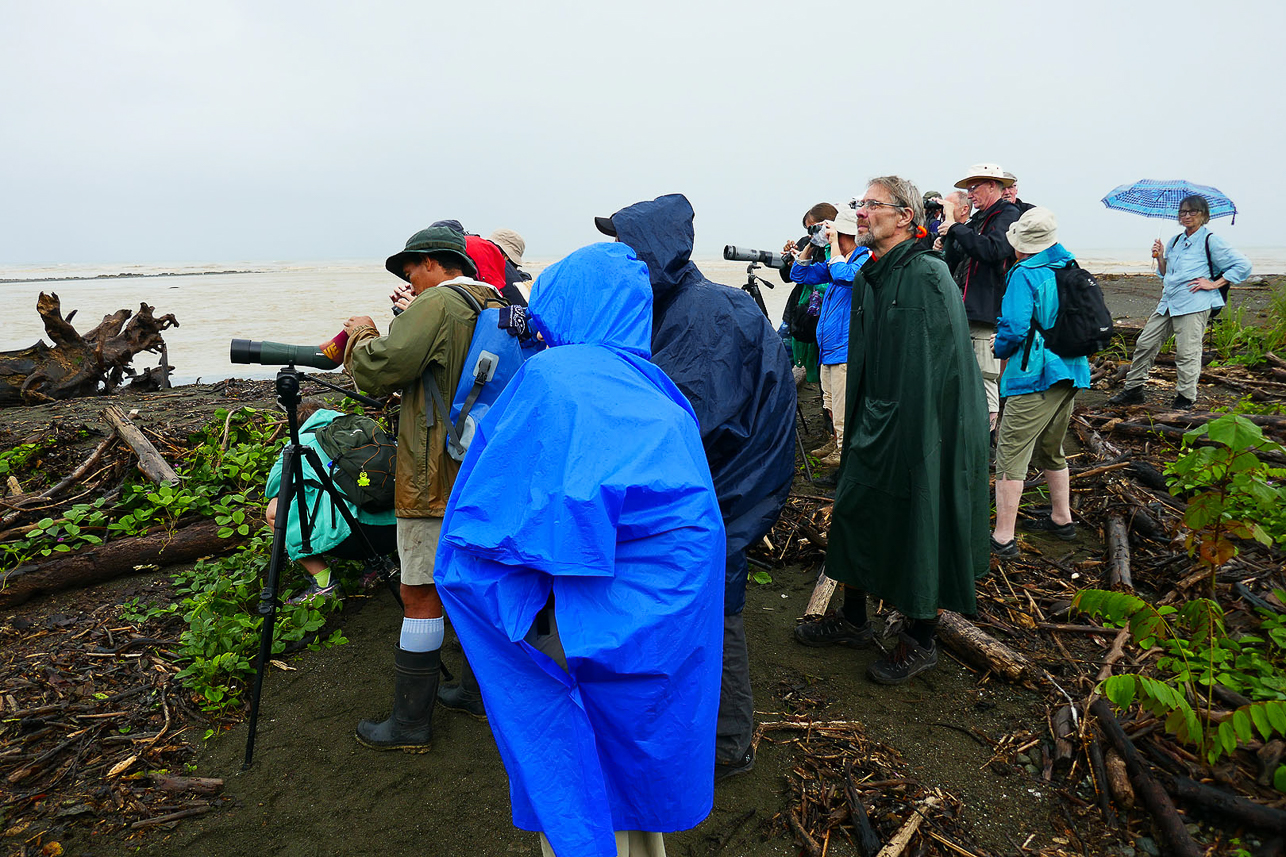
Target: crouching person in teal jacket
x,y
1039,386
329,533
585,581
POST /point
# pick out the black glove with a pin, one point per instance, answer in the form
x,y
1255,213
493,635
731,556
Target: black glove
x,y
513,319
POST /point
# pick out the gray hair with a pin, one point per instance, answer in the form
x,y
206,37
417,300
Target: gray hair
x,y
905,195
960,198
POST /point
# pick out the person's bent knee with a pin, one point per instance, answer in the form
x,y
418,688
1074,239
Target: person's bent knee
x,y
271,512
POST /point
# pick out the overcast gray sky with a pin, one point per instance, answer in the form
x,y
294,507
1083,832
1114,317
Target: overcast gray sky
x,y
175,131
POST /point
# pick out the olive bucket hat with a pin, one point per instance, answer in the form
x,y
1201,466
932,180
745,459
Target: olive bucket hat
x,y
435,239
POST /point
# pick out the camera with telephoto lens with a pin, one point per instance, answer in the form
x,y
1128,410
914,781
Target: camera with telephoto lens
x,y
758,257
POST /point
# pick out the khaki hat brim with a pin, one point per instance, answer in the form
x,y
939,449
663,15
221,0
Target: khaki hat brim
x,y
963,184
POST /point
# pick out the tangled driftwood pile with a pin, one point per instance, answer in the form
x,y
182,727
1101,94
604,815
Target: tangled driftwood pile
x,y
1130,774
85,364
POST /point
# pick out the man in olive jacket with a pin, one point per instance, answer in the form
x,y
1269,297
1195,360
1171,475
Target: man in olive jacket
x,y
910,524
431,335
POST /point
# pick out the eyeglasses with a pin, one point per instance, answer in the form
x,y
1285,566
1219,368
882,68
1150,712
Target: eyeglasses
x,y
872,203
1189,211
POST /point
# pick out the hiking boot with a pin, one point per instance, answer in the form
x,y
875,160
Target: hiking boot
x,y
312,590
410,727
831,460
824,450
464,696
1182,403
905,662
1045,524
830,480
744,765
1008,549
833,629
1128,396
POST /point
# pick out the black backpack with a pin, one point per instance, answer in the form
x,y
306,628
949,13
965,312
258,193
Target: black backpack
x,y
363,460
1083,325
802,326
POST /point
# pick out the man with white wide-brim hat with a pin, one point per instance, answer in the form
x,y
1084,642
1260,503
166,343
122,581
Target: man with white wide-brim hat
x,y
979,257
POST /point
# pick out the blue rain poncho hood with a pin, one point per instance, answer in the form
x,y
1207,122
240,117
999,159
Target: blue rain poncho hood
x,y
723,354
586,487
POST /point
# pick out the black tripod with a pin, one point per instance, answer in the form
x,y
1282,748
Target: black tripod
x,y
292,491
752,288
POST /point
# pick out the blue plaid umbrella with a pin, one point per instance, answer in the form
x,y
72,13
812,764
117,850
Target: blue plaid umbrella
x,y
1153,198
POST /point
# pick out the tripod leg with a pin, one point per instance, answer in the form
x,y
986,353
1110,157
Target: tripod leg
x,y
799,442
268,597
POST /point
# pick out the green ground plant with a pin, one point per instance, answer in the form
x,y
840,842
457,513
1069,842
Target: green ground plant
x,y
1233,496
1238,343
221,477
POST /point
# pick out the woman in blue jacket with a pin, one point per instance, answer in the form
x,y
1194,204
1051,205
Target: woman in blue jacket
x,y
835,275
1039,385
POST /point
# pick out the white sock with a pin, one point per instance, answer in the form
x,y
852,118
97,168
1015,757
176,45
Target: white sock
x,y
422,635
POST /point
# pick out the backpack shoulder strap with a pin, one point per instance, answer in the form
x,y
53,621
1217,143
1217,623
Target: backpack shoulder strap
x,y
1209,259
432,393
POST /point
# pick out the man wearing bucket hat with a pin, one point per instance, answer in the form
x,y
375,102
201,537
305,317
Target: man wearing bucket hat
x,y
1011,194
833,278
512,246
979,256
1039,385
431,335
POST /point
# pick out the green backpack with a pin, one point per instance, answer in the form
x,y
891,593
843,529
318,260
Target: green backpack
x,y
363,459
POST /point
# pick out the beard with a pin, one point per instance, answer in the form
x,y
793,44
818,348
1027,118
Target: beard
x,y
873,236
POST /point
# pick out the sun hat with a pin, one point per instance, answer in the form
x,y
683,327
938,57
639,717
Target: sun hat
x,y
846,221
990,172
1035,231
435,239
510,243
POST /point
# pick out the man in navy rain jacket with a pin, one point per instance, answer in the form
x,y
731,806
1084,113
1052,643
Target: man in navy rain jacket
x,y
585,583
725,357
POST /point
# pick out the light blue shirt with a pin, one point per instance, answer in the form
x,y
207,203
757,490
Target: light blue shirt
x,y
1185,261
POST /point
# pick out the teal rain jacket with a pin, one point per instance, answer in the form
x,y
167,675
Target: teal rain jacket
x,y
911,509
328,526
610,510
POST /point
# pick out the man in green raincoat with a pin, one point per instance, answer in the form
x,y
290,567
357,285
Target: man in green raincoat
x,y
911,510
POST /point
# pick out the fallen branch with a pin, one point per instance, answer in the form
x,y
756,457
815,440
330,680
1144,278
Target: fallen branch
x,y
1118,552
902,838
985,651
150,462
1238,809
85,466
1175,838
112,560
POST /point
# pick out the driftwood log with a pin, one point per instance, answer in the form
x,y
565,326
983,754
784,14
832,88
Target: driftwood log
x,y
985,651
1118,552
150,462
76,365
111,560
1175,839
1229,806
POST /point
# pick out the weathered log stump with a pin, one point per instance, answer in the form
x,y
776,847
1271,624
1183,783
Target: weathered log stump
x,y
91,364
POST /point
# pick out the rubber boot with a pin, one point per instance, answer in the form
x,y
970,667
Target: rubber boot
x,y
410,727
464,696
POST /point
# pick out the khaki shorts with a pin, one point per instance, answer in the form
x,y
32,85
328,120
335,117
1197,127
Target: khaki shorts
x,y
1032,429
417,545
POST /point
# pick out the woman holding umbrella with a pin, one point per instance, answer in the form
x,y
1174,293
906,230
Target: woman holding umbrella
x,y
1196,267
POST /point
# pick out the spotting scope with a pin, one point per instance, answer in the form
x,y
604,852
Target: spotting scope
x,y
277,354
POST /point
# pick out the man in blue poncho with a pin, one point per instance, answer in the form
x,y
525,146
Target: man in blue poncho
x,y
723,354
585,581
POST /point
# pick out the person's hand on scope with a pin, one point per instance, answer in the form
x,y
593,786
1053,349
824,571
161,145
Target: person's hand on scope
x,y
358,322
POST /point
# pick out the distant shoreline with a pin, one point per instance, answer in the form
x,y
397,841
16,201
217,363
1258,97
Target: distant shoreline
x,y
123,276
